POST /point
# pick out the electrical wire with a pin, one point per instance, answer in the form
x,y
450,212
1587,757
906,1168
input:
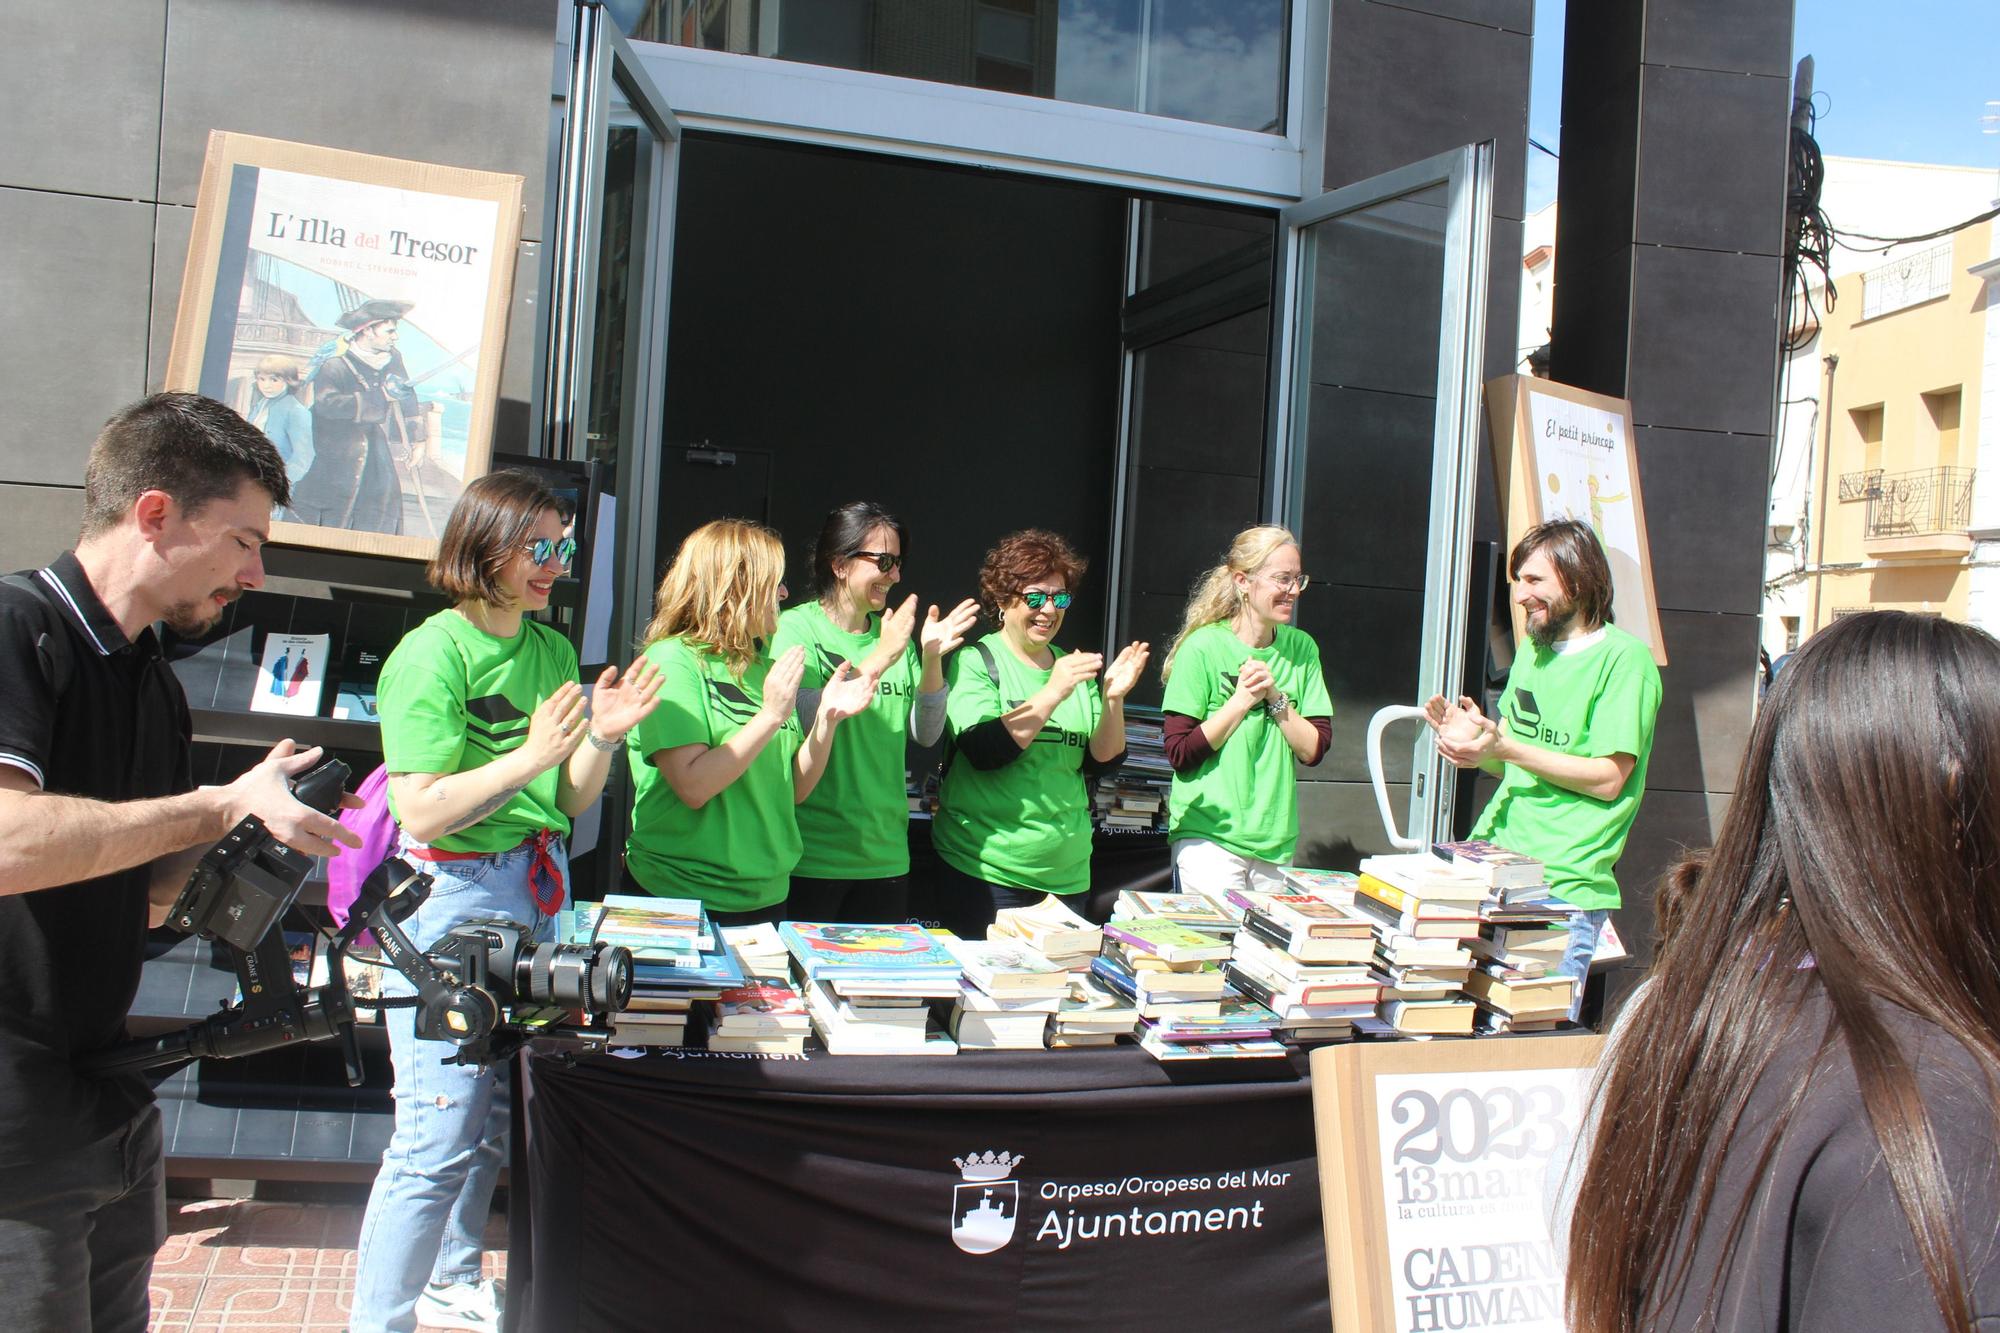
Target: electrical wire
x,y
1808,235
1888,242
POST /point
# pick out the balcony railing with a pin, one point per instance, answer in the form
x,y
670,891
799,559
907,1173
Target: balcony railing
x,y
1860,485
1909,504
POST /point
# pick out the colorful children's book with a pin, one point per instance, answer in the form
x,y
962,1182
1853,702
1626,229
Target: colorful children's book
x,y
827,949
655,929
1164,939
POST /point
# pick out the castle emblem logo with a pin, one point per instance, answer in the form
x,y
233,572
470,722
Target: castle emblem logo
x,y
983,1208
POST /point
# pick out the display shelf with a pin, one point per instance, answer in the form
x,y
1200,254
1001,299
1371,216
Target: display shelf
x,y
225,726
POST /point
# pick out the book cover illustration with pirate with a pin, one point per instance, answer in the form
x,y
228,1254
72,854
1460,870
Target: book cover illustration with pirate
x,y
357,322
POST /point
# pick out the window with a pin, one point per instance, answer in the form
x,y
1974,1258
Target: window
x,y
1219,62
1868,429
1941,410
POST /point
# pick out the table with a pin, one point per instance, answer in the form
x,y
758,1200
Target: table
x,y
1091,1189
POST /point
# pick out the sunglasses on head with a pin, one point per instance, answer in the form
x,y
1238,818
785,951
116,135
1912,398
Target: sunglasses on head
x,y
882,560
1037,599
541,548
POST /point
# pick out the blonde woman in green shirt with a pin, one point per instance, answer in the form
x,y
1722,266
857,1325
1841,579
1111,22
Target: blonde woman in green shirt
x,y
719,765
855,826
1245,702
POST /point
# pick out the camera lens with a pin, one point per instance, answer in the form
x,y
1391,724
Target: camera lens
x,y
596,977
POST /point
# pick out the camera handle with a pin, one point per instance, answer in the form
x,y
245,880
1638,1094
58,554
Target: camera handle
x,y
275,1012
461,1012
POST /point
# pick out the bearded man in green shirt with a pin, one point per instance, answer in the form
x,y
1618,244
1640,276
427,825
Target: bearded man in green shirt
x,y
1574,733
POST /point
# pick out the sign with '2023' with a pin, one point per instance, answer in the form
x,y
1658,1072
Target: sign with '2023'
x,y
1443,1167
1471,1166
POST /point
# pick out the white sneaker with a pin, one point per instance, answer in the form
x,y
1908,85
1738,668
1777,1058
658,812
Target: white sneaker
x,y
467,1305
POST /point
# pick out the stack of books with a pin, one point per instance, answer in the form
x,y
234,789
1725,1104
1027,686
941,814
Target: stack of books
x,y
1241,1028
678,958
1523,932
1422,909
1163,970
1307,961
1006,995
1193,910
765,1017
867,988
1091,1014
1134,798
656,930
1052,929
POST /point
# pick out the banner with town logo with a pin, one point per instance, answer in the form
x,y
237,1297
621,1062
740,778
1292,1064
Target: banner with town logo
x,y
1003,1191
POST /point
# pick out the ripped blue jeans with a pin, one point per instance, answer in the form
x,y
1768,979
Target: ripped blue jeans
x,y
427,1212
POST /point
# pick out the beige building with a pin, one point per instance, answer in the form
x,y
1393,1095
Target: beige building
x,y
1878,469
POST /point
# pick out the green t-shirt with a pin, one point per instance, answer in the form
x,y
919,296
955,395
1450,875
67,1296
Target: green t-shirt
x,y
452,697
1025,824
1593,701
856,823
1245,795
736,853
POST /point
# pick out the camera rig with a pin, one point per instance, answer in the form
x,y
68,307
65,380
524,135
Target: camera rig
x,y
486,987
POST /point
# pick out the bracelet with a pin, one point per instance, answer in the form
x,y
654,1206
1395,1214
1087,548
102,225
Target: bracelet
x,y
597,742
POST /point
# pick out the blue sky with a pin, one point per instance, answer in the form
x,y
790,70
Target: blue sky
x,y
1908,83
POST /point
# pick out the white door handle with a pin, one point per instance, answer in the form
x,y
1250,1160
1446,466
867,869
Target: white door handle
x,y
1376,726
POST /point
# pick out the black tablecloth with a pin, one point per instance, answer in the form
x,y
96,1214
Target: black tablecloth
x,y
689,1190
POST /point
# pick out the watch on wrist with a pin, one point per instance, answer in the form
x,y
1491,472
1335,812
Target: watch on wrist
x,y
1275,708
605,743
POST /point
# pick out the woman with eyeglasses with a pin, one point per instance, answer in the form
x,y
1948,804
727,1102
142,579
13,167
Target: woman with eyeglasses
x,y
1244,701
854,826
491,750
719,767
1031,727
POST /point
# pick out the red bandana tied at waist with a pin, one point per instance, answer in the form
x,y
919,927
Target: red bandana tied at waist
x,y
543,876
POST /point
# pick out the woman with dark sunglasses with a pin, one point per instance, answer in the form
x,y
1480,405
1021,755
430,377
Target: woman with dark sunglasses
x,y
1245,704
1031,727
854,825
491,750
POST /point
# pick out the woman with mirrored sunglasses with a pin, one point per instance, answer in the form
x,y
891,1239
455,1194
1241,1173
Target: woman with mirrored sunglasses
x,y
854,863
491,750
1245,703
1031,727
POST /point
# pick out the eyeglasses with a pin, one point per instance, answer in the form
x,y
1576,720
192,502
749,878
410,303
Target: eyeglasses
x,y
541,548
1291,582
884,561
1037,599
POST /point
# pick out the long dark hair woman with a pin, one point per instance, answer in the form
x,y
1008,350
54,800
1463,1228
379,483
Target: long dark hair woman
x,y
1795,1128
854,826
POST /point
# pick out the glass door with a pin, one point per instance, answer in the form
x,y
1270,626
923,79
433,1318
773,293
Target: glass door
x,y
606,330
610,264
1374,419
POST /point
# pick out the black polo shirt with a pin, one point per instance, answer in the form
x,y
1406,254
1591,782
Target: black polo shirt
x,y
70,956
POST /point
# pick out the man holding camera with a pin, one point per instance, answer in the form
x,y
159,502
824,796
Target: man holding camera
x,y
100,824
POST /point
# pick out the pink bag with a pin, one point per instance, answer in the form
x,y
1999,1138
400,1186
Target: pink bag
x,y
347,872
